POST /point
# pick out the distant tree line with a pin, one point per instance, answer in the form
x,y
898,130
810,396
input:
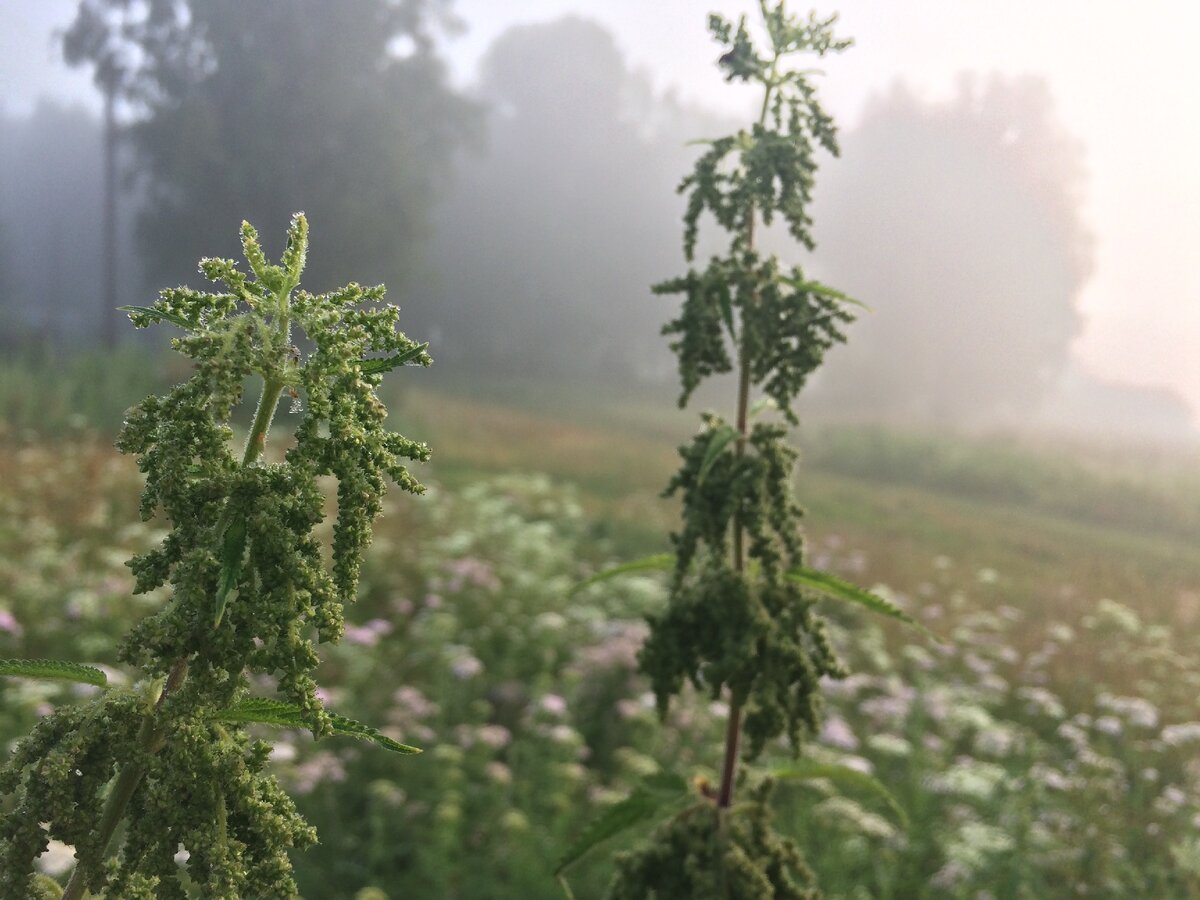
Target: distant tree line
x,y
50,246
529,209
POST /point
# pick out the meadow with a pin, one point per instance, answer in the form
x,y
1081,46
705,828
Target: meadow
x,y
1040,742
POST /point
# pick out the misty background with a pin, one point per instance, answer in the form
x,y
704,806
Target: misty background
x,y
510,177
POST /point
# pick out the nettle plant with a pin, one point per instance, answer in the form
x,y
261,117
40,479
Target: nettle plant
x,y
740,623
251,594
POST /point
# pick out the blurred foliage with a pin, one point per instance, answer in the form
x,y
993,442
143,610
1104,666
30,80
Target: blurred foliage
x,y
540,247
50,242
972,208
547,241
259,109
51,390
1133,488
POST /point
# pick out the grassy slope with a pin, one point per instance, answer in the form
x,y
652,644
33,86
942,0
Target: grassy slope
x,y
1061,530
1060,533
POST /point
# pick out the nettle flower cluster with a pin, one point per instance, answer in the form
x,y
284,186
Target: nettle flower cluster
x,y
740,621
734,620
251,593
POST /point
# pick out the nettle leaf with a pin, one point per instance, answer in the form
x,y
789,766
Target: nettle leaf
x,y
158,315
266,711
665,783
725,300
762,405
659,562
233,554
386,364
721,438
55,669
810,770
656,793
837,589
817,287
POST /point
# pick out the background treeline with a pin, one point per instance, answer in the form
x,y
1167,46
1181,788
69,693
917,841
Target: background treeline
x,y
531,211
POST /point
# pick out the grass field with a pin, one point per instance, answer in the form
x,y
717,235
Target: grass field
x,y
1042,748
1061,526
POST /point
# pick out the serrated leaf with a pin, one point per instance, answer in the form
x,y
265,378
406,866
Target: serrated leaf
x,y
817,287
56,669
726,302
387,363
161,315
837,589
809,770
638,807
233,555
761,405
720,439
665,783
657,562
266,711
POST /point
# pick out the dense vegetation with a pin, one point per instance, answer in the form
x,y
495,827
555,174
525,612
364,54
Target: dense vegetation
x,y
252,586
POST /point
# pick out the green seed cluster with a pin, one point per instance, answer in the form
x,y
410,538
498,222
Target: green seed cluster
x,y
58,774
754,489
252,592
734,621
207,791
706,856
776,159
760,639
787,324
220,508
751,632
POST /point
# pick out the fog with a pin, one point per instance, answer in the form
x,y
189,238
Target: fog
x,y
520,217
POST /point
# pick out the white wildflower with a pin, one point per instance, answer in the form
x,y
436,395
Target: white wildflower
x,y
1042,701
836,732
968,778
56,859
1137,711
1183,733
842,812
890,745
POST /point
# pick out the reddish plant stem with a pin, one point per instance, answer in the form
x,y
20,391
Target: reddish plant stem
x,y
733,728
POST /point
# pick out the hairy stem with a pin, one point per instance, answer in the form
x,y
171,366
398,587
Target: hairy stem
x,y
268,401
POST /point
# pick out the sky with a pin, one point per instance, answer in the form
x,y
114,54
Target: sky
x,y
1125,80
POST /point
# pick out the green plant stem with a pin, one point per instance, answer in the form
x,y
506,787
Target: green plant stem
x,y
150,740
150,736
114,810
268,401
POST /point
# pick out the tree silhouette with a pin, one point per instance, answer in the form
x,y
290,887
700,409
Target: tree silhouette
x,y
545,250
970,209
259,109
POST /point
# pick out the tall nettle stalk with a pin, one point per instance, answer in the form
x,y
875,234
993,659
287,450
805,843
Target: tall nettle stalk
x,y
168,762
740,622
